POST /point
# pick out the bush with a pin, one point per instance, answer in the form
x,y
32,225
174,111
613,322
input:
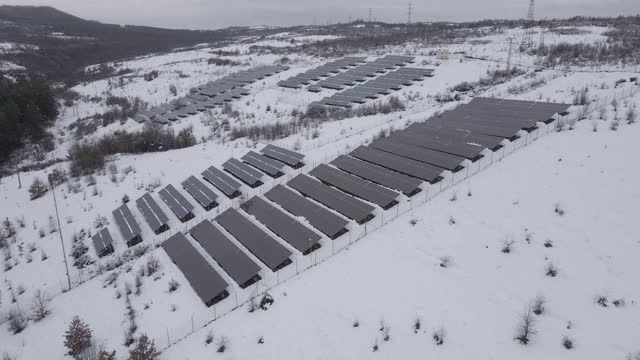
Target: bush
x,y
37,189
17,322
89,157
567,342
173,285
40,305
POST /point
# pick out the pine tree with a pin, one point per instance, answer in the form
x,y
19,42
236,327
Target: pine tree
x,y
145,349
77,337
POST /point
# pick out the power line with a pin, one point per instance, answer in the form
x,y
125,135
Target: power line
x,y
527,39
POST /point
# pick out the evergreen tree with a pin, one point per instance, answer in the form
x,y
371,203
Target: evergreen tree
x,y
78,336
145,349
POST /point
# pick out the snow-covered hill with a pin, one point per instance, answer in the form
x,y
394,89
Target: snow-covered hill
x,y
392,275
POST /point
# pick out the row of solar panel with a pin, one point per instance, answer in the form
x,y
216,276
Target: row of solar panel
x,y
360,74
271,161
321,72
209,95
372,89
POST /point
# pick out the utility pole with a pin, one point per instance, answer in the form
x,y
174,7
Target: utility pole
x,y
64,252
509,57
409,16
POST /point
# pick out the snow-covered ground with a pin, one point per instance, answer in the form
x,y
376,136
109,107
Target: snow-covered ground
x,y
392,274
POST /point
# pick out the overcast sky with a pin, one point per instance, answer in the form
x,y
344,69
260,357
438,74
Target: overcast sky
x,y
213,14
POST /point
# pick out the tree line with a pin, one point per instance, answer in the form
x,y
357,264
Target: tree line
x,y
27,107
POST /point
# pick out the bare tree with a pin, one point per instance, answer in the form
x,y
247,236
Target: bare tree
x,y
507,244
526,328
40,305
538,305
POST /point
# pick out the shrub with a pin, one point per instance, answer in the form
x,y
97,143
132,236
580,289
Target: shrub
x,y
40,305
37,189
526,327
222,345
567,342
551,269
538,305
173,285
17,322
439,335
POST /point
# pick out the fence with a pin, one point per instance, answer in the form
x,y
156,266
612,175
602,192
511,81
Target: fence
x,y
240,298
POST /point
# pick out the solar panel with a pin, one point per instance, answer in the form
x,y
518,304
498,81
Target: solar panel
x,y
153,215
289,157
290,230
231,259
356,186
334,199
461,135
400,164
449,146
176,202
271,167
427,156
222,182
205,281
127,224
244,172
203,195
102,242
379,175
263,246
320,218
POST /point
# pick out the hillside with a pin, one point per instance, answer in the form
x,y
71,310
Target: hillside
x,y
61,45
542,219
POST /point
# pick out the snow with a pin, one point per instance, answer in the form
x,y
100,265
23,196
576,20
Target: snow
x,y
392,273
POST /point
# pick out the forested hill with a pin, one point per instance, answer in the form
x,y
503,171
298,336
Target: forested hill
x,y
61,44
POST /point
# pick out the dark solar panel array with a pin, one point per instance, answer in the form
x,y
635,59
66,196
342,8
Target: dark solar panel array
x,y
320,218
231,259
244,172
289,157
371,89
356,186
290,230
205,196
428,156
153,215
320,72
126,223
212,94
263,246
269,166
400,164
102,241
334,199
222,181
204,280
379,175
176,202
436,131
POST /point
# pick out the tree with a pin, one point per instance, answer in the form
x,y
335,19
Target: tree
x,y
40,305
526,327
145,349
37,189
78,336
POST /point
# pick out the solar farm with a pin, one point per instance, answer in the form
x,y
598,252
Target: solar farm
x,y
309,193
303,205
208,96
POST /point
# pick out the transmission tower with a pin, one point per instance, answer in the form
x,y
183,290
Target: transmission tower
x,y
369,16
409,14
527,40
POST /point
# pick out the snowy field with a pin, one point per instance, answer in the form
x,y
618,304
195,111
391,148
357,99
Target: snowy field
x,y
393,274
